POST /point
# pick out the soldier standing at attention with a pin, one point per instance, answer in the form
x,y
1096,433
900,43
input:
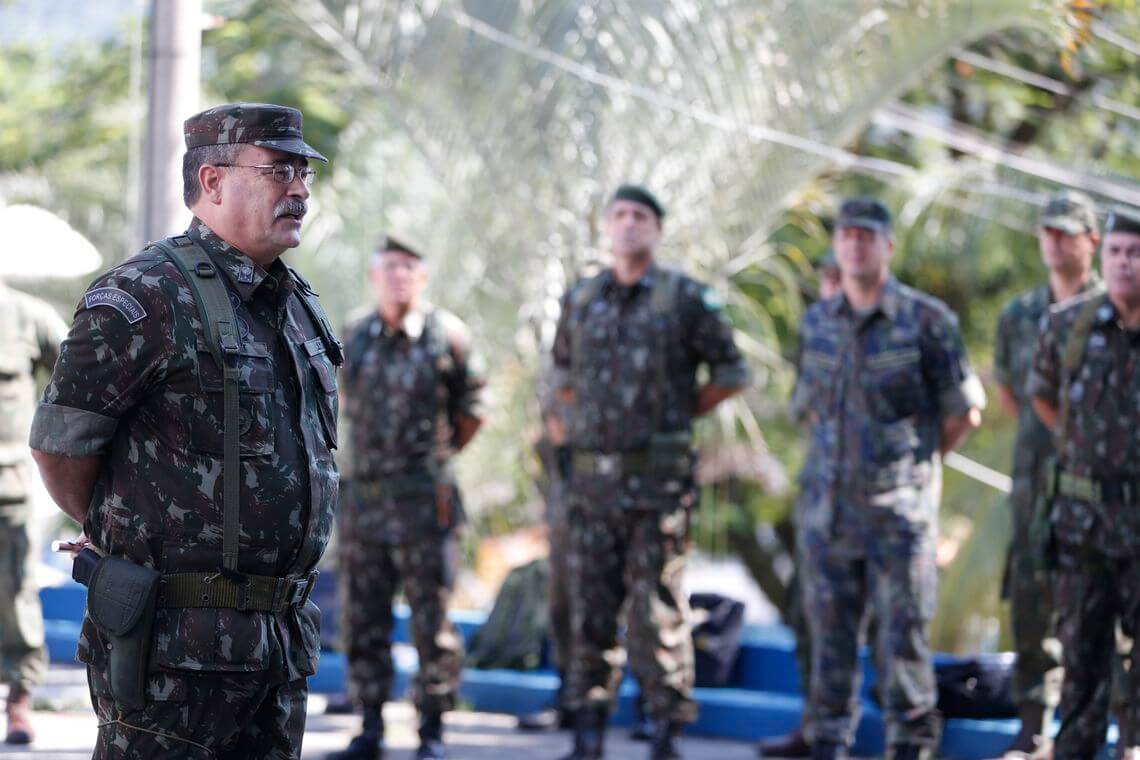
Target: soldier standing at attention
x,y
30,334
1068,236
189,426
626,352
1084,385
413,397
886,386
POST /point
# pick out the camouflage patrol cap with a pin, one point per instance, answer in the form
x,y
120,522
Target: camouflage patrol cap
x,y
262,124
866,213
1070,212
389,243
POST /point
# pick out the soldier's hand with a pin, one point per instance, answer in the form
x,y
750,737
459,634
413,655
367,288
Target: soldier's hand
x,y
75,546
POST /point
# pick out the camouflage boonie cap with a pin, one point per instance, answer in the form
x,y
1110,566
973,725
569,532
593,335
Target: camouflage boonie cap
x,y
262,124
1070,212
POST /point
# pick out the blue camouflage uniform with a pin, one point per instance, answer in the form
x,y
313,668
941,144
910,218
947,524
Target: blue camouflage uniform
x,y
877,386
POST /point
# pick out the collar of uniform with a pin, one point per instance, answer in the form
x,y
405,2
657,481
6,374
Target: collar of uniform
x,y
1106,313
651,273
412,326
242,271
888,304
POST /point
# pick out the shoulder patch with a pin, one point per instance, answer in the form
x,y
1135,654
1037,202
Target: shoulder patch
x,y
119,300
711,299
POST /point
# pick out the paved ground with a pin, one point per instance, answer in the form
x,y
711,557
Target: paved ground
x,y
66,731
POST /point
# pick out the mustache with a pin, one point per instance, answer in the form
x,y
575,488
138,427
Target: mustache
x,y
291,207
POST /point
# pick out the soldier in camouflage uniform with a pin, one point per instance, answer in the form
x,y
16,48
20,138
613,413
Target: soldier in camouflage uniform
x,y
1084,385
626,352
1068,236
886,386
30,334
413,397
130,440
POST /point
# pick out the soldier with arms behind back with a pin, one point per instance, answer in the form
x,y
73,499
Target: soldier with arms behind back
x,y
1084,385
626,352
1068,235
189,425
413,393
886,387
30,334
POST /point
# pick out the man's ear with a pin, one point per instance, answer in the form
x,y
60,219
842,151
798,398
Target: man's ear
x,y
210,179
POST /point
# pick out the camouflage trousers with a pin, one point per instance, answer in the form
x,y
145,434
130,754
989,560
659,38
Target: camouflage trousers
x,y
639,554
373,572
1097,598
23,657
1037,672
896,575
208,716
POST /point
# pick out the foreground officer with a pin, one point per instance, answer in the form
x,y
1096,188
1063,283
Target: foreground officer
x,y
1068,236
886,386
189,425
626,352
412,390
1084,386
30,334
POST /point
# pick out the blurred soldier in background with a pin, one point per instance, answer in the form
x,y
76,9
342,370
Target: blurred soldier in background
x,y
626,352
1084,384
413,393
885,385
1068,236
30,334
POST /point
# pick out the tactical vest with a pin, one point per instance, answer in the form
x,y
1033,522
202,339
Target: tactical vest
x,y
222,337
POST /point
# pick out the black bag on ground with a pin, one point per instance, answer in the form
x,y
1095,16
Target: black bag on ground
x,y
717,625
979,687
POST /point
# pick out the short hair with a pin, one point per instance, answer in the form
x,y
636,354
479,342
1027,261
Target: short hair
x,y
194,158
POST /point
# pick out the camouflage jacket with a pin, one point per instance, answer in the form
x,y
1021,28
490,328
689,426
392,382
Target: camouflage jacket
x,y
137,385
1102,438
633,369
1014,346
879,386
405,390
30,334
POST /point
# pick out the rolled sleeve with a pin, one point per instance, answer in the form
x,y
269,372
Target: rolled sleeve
x,y
561,352
71,432
471,398
713,343
947,371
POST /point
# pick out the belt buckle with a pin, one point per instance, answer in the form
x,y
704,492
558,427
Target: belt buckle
x,y
606,465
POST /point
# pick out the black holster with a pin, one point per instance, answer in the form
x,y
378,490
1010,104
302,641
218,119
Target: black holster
x,y
120,601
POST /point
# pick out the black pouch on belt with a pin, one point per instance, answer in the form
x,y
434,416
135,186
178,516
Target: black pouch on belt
x,y
120,600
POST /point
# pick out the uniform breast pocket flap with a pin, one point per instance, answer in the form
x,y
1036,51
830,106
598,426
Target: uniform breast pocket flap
x,y
255,421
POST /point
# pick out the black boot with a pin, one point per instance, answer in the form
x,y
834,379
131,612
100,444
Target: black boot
x,y
557,716
828,751
909,752
643,727
589,734
664,745
370,744
431,737
791,745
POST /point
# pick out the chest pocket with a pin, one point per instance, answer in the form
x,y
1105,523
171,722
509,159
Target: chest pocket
x,y
893,383
255,413
819,371
326,388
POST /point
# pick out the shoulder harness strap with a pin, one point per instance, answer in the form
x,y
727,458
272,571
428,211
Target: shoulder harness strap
x,y
1074,353
219,325
313,306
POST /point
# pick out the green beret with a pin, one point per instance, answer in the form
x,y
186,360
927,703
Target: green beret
x,y
262,124
639,194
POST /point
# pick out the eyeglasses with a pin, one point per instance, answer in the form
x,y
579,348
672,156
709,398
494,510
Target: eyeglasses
x,y
283,173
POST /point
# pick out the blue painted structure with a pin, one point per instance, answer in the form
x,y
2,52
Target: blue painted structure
x,y
763,698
